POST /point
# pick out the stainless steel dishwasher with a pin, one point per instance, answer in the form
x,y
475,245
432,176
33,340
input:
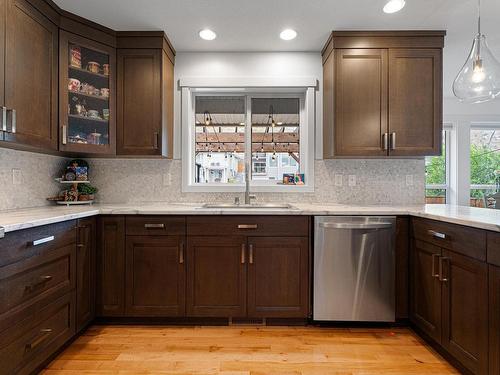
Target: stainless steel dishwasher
x,y
354,268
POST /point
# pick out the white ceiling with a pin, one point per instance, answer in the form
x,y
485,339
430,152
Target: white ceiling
x,y
254,25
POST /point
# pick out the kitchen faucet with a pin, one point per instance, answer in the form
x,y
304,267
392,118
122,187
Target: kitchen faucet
x,y
248,196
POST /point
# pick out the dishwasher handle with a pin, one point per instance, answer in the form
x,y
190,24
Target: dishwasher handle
x,y
381,225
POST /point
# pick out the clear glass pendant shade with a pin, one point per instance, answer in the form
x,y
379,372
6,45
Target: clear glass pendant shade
x,y
479,79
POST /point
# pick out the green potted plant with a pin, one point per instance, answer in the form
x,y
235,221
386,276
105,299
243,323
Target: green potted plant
x,y
86,192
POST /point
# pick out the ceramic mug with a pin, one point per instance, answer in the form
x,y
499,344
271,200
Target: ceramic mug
x,y
93,113
76,57
87,88
73,84
105,113
93,67
105,69
105,92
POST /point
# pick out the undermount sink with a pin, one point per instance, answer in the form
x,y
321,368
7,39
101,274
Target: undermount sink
x,y
252,205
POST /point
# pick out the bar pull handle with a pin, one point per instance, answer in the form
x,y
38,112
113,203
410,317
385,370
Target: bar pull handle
x,y
243,249
43,280
4,118
393,140
155,139
154,226
441,269
435,234
41,241
250,254
44,333
181,253
247,226
13,120
385,141
433,272
64,129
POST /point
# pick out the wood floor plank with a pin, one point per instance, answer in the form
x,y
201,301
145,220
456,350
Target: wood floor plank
x,y
104,350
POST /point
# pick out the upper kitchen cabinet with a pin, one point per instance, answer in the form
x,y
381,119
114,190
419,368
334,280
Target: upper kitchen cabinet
x,y
145,84
28,75
87,95
382,93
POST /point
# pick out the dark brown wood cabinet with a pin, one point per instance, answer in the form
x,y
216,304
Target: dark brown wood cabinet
x,y
85,272
110,299
382,93
29,77
494,320
465,310
425,289
278,277
216,276
155,276
145,94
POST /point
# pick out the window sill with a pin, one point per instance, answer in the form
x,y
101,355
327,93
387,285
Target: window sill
x,y
253,188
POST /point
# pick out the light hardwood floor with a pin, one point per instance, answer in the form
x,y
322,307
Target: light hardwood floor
x,y
247,351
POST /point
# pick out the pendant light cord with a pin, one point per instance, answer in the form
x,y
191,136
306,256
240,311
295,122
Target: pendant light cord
x,y
479,17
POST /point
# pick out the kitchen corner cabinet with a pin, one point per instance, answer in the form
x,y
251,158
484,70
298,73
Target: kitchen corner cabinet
x,y
28,75
494,319
85,272
86,95
145,95
382,94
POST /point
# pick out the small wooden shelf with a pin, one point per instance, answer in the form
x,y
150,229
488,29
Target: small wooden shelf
x,y
70,203
85,71
103,98
61,181
91,119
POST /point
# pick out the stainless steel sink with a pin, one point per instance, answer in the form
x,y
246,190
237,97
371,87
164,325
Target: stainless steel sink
x,y
283,206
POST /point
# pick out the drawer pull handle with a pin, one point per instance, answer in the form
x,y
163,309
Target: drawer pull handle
x,y
43,280
442,277
247,226
154,226
80,245
435,234
41,241
181,253
44,333
243,248
250,254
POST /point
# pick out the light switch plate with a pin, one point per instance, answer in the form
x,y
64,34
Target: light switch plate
x,y
338,180
409,180
352,180
16,176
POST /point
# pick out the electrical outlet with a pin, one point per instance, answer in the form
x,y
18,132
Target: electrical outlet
x,y
167,179
16,176
338,180
409,180
352,180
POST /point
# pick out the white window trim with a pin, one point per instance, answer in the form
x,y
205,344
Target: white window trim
x,y
260,87
448,129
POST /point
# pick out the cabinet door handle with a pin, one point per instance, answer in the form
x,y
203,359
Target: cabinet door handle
x,y
41,241
433,272
393,140
247,226
442,277
154,226
4,118
181,253
44,333
250,254
385,141
43,280
155,139
64,129
13,121
435,234
243,249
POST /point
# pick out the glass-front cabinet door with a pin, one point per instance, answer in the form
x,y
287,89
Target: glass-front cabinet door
x,y
87,96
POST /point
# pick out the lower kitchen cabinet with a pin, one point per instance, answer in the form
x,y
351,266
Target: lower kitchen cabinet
x,y
155,276
85,272
425,289
216,276
465,310
278,274
111,266
494,320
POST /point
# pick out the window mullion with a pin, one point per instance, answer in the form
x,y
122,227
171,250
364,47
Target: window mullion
x,y
248,135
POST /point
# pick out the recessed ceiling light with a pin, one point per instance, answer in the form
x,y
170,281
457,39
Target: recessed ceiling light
x,y
393,6
207,34
288,34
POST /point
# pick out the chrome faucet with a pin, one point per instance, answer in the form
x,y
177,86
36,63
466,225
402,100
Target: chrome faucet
x,y
248,196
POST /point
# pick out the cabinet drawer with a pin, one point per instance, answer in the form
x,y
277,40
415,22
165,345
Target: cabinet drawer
x,y
493,248
155,225
28,343
276,226
50,273
22,244
464,240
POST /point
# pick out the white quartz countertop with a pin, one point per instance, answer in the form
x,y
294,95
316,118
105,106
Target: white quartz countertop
x,y
12,220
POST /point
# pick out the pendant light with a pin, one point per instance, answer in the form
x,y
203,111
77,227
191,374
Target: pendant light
x,y
479,79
